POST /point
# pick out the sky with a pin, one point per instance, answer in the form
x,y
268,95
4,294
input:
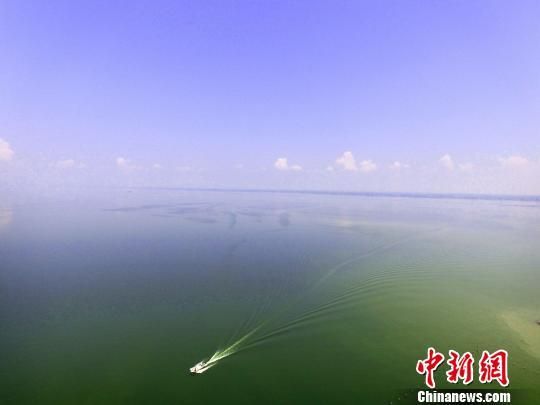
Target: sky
x,y
418,96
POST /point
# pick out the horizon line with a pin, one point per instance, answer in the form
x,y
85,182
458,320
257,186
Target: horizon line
x,y
393,194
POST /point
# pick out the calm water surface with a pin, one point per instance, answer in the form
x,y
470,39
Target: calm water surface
x,y
333,298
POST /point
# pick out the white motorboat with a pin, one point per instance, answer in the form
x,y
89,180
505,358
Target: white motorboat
x,y
200,367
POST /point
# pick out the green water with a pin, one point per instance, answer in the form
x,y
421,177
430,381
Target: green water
x,y
323,298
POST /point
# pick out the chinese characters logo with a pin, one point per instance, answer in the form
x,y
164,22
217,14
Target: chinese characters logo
x,y
491,367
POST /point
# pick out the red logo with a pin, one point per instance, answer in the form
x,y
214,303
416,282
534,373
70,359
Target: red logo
x,y
491,367
461,367
429,365
494,367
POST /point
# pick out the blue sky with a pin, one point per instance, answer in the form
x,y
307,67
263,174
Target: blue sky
x,y
349,95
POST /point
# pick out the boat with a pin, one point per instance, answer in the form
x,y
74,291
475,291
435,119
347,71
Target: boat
x,y
200,367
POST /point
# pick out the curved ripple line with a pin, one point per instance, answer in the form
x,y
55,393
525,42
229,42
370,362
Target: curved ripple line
x,y
312,314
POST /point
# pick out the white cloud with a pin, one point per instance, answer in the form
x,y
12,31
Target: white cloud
x,y
399,166
282,164
157,166
6,153
447,162
514,161
65,164
330,168
367,166
124,164
347,161
121,162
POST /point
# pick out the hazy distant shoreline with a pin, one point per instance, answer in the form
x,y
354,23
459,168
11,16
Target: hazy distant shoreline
x,y
453,196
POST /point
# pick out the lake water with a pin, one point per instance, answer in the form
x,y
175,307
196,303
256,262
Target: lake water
x,y
323,298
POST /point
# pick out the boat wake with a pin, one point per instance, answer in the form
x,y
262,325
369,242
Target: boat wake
x,y
253,338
